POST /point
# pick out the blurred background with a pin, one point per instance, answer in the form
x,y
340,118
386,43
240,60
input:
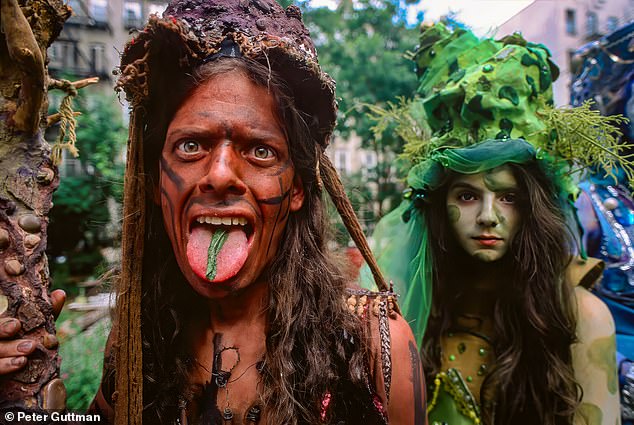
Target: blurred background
x,y
363,44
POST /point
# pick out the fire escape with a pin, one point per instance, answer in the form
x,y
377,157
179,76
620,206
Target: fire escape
x,y
72,55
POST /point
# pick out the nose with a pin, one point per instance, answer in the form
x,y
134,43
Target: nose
x,y
223,173
487,216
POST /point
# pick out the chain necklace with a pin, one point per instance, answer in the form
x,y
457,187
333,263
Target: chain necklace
x,y
220,379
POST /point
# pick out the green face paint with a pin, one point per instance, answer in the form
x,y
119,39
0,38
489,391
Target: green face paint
x,y
500,179
218,239
482,212
454,213
591,413
602,354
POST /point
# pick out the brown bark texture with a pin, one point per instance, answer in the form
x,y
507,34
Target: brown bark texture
x,y
27,181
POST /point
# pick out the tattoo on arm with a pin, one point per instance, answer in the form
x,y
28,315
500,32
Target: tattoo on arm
x,y
419,411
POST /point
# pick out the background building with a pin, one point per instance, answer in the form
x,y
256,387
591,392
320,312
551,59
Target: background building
x,y
93,37
566,25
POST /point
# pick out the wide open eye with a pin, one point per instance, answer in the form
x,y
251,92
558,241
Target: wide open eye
x,y
189,147
262,152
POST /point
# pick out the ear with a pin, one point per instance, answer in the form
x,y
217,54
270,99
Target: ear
x,y
297,194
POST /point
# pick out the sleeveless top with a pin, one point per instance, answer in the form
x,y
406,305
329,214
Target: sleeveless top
x,y
347,402
467,356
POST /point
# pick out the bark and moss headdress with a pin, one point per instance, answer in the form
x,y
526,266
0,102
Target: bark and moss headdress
x,y
190,33
480,104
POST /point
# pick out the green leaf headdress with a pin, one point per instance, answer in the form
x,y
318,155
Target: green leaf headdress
x,y
481,103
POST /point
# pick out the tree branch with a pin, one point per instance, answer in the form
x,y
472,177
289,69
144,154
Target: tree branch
x,y
66,85
24,50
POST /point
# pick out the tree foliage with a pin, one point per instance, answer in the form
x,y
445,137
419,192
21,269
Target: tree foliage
x,y
362,45
81,214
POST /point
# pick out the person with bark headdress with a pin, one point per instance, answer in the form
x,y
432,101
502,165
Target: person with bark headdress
x,y
229,308
481,246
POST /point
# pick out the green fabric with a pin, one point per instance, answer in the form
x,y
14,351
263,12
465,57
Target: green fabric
x,y
483,104
401,240
474,90
446,411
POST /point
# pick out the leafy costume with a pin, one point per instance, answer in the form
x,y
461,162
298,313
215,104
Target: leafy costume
x,y
480,104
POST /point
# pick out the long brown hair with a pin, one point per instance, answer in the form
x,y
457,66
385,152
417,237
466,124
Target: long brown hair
x,y
313,345
534,320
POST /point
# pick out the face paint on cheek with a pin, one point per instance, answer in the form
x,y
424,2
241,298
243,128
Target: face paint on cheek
x,y
501,218
453,211
171,174
282,169
218,239
283,196
168,203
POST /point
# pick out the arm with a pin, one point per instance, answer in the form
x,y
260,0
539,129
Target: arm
x,y
594,362
407,403
102,404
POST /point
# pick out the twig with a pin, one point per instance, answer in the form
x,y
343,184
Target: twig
x,y
25,52
64,84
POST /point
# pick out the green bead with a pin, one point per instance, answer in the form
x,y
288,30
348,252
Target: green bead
x,y
482,370
482,352
469,379
452,357
487,68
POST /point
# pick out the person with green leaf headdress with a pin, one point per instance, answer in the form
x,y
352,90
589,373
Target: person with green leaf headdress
x,y
481,248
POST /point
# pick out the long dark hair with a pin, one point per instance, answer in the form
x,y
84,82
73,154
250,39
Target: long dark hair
x,y
309,331
534,319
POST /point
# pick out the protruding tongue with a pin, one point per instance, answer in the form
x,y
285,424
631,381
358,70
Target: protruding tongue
x,y
217,253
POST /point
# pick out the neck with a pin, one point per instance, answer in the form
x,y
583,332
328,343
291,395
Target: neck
x,y
245,308
480,276
236,320
479,282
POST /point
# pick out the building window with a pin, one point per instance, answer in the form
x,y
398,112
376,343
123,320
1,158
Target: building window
x,y
99,10
342,162
612,23
369,165
65,53
571,22
132,15
592,24
97,58
54,53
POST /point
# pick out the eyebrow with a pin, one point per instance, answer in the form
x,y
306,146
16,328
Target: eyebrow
x,y
254,135
464,185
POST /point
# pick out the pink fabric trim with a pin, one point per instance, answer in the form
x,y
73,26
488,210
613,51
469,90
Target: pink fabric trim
x,y
325,403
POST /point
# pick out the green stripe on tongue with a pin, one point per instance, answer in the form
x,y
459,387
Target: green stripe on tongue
x,y
218,239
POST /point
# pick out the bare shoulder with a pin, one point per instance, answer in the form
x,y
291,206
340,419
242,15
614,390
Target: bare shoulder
x,y
594,361
395,363
593,316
